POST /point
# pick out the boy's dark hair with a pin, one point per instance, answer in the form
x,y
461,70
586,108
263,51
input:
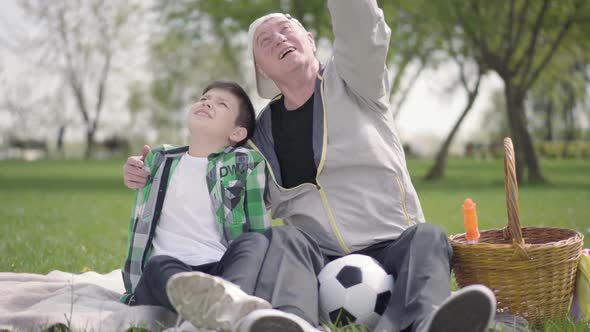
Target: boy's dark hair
x,y
246,115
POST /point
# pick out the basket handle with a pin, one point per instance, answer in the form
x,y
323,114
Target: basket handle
x,y
512,231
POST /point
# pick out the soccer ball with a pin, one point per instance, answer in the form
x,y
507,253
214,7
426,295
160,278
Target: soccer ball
x,y
354,289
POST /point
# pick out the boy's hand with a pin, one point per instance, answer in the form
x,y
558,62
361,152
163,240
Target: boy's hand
x,y
134,176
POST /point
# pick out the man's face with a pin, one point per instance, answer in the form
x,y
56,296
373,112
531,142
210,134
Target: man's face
x,y
215,115
280,46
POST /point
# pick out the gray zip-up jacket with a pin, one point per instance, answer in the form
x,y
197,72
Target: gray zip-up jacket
x,y
364,194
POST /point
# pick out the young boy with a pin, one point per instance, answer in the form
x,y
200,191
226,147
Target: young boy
x,y
201,214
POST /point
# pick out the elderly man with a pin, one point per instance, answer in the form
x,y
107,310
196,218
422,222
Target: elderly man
x,y
338,170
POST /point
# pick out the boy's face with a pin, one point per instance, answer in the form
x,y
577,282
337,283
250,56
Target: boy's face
x,y
214,115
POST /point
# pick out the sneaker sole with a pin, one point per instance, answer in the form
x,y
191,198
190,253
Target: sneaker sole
x,y
471,310
275,323
209,302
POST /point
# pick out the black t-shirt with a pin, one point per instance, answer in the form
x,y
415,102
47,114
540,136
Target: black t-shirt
x,y
292,133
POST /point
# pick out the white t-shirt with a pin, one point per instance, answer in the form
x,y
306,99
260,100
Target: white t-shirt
x,y
187,228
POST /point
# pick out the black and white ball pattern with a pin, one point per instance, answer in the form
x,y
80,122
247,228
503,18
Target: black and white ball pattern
x,y
354,289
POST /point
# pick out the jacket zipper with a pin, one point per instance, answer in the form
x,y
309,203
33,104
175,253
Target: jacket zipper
x,y
322,192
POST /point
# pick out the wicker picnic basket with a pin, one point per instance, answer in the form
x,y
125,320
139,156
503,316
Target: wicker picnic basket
x,y
531,270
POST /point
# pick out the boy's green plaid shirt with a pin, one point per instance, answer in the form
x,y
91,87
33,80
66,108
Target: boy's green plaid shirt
x,y
236,180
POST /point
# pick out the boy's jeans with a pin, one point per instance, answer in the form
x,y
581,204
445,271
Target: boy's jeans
x,y
240,264
279,266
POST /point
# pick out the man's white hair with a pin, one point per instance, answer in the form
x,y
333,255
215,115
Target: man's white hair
x,y
266,87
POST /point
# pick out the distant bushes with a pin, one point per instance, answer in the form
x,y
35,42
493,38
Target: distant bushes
x,y
23,144
34,149
579,149
116,144
564,150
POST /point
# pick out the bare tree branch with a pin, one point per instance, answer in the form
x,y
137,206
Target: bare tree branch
x,y
493,61
77,38
106,69
399,75
75,83
527,82
507,35
438,168
406,91
529,55
515,39
102,87
483,40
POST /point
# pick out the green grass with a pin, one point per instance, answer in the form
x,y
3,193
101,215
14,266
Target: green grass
x,y
563,202
66,215
73,215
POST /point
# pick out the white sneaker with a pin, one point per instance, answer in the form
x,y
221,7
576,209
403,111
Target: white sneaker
x,y
471,308
272,320
210,302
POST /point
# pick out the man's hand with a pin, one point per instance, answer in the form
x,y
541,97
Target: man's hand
x,y
134,176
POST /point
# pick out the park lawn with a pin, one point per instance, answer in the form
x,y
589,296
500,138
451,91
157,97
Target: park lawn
x,y
564,201
74,215
65,215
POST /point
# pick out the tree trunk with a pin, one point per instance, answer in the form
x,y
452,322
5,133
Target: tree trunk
x,y
60,139
530,155
89,143
523,143
548,104
568,120
437,170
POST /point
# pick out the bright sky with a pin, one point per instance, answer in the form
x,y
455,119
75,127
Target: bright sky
x,y
430,111
428,114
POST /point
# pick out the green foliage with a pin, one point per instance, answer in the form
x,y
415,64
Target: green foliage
x,y
564,149
200,40
517,39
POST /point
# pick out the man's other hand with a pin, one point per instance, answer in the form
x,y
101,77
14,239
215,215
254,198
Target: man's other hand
x,y
134,175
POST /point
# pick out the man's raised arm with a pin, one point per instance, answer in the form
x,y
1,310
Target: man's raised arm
x,y
361,41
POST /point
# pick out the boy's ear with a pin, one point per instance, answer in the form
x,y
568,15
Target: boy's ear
x,y
238,135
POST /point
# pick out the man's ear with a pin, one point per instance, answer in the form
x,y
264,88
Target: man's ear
x,y
311,41
261,72
238,135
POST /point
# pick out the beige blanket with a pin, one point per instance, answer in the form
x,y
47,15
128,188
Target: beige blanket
x,y
82,302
